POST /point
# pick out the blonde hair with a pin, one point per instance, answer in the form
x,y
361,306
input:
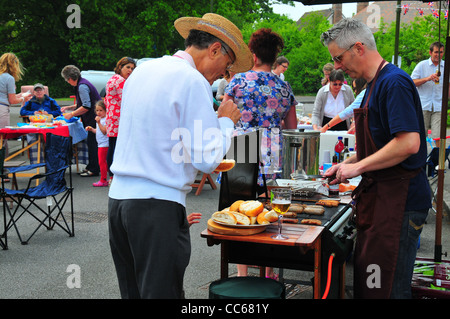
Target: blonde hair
x,y
9,63
327,67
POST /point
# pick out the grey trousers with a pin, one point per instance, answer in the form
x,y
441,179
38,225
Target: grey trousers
x,y
150,246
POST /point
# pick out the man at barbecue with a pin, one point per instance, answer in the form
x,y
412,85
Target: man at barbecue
x,y
393,197
168,132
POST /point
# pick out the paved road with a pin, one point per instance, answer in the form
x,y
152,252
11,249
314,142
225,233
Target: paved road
x,y
39,270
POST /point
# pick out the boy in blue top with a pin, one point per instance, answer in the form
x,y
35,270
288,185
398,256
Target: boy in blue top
x,y
40,103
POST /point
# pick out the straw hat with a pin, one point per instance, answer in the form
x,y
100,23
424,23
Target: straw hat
x,y
223,29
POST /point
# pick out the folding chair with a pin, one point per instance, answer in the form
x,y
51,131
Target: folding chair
x,y
54,189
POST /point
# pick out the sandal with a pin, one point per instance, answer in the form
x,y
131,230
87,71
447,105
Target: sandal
x,y
88,174
83,171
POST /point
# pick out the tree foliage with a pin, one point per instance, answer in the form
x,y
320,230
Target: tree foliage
x,y
38,32
414,40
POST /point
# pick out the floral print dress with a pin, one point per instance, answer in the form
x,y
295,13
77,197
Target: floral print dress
x,y
113,101
264,101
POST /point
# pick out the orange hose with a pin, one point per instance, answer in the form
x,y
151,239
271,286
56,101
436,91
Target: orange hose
x,y
327,289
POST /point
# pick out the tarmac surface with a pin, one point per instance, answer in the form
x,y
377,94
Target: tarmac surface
x,y
44,268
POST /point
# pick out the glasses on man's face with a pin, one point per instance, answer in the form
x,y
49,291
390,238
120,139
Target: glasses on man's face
x,y
284,66
229,66
338,58
337,84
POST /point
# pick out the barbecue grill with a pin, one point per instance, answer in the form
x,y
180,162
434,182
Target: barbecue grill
x,y
337,240
337,237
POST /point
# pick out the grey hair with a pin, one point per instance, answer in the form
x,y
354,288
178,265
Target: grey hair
x,y
71,72
347,32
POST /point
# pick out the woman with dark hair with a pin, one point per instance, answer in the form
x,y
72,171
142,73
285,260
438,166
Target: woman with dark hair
x,y
265,101
113,101
359,87
331,99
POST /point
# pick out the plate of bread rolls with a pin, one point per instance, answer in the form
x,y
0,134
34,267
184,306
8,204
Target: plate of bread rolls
x,y
245,214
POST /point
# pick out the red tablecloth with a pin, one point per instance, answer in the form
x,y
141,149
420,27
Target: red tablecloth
x,y
8,133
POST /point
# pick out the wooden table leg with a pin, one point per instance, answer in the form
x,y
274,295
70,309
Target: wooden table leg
x,y
317,249
224,260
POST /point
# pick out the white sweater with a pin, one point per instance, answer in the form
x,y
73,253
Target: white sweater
x,y
168,131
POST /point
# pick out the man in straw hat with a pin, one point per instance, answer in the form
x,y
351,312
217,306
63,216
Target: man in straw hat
x,y
168,132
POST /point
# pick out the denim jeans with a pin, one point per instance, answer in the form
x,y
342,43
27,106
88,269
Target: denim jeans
x,y
412,226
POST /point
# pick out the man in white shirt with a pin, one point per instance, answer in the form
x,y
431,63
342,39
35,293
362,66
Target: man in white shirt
x,y
429,85
168,132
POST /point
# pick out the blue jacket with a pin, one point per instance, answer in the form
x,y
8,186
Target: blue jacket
x,y
49,105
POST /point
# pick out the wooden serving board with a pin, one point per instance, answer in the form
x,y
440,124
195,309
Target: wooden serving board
x,y
225,230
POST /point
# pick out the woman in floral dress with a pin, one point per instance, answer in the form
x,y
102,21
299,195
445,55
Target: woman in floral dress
x,y
265,101
113,100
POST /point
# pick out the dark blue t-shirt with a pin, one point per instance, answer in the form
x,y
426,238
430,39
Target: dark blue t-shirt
x,y
395,107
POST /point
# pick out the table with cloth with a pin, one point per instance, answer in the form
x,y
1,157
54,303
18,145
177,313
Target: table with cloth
x,y
36,136
78,134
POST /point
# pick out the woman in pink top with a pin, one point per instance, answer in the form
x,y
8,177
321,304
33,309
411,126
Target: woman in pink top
x,y
113,100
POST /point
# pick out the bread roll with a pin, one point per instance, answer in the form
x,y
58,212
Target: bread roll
x,y
261,219
265,217
225,165
251,208
224,217
241,219
235,206
271,216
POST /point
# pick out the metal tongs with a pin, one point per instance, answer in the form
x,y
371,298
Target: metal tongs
x,y
296,176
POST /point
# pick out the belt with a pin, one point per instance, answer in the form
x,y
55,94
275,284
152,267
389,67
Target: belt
x,y
4,104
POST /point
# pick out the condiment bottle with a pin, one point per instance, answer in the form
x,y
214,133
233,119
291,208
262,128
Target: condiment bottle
x,y
338,148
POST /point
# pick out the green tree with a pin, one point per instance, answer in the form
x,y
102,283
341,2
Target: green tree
x,y
309,56
414,40
37,31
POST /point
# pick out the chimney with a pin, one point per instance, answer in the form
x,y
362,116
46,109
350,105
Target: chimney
x,y
361,6
337,12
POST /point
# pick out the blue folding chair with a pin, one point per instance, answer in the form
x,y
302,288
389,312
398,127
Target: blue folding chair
x,y
54,188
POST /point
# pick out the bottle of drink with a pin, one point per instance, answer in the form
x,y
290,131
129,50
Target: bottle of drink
x,y
350,153
345,150
338,148
335,160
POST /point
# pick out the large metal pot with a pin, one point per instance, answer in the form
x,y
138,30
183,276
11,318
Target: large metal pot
x,y
300,152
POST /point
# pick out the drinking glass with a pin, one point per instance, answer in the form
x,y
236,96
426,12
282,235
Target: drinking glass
x,y
280,199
